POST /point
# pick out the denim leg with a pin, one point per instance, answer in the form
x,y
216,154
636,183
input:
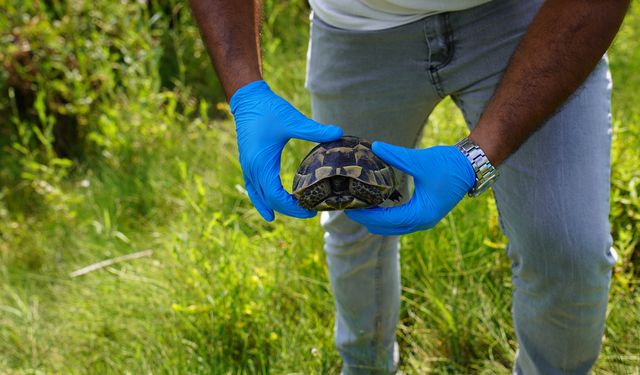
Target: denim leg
x,y
553,202
365,277
553,199
373,85
552,196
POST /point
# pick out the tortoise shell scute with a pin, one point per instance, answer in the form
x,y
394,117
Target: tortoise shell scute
x,y
348,156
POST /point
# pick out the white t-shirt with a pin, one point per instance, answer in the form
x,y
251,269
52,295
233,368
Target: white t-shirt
x,y
382,14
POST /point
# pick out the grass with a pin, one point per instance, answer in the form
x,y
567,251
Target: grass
x,y
225,292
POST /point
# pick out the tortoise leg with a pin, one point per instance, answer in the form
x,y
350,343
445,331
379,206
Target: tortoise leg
x,y
366,193
315,195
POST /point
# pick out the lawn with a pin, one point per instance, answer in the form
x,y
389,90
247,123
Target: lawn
x,y
115,140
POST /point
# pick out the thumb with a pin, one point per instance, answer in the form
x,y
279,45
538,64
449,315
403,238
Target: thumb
x,y
310,130
397,156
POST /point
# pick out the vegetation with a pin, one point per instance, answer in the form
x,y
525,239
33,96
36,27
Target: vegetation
x,y
115,139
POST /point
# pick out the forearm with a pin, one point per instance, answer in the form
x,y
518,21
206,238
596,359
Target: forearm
x,y
230,30
563,44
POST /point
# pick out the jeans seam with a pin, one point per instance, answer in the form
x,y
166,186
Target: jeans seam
x,y
450,49
448,39
435,79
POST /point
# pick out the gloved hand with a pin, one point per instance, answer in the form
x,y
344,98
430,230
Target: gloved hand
x,y
264,124
442,176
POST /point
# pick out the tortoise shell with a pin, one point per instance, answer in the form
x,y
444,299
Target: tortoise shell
x,y
343,174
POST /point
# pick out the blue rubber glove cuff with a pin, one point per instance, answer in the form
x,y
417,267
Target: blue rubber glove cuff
x,y
250,89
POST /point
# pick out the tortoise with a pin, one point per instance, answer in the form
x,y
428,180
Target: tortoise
x,y
344,174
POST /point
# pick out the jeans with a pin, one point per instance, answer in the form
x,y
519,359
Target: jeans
x,y
552,194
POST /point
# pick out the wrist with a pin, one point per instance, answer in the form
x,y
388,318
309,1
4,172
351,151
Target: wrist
x,y
239,80
489,144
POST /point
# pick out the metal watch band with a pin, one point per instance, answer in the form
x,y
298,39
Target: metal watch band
x,y
486,174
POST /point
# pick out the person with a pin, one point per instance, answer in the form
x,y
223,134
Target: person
x,y
532,81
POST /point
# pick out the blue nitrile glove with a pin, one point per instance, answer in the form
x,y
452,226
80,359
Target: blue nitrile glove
x,y
264,124
442,176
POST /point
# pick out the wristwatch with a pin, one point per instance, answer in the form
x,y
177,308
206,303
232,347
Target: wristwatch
x,y
486,174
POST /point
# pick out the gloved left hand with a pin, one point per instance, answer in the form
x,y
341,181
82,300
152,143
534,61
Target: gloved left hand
x,y
442,176
264,124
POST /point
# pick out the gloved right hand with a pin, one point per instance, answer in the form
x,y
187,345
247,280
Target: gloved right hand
x,y
264,124
442,176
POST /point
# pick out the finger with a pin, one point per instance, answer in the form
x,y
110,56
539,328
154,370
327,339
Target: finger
x,y
259,203
400,157
382,231
310,130
392,217
283,202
